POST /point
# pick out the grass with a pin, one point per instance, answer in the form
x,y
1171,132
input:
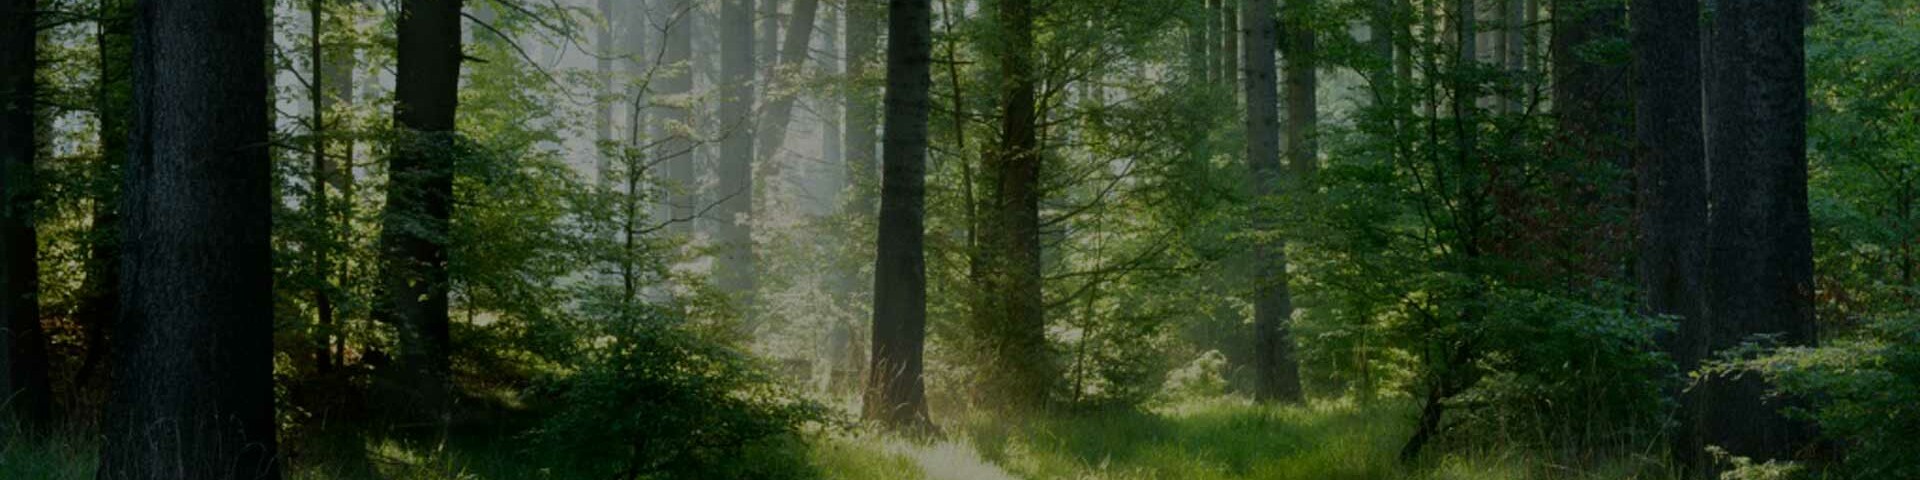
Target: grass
x,y
1221,439
1231,440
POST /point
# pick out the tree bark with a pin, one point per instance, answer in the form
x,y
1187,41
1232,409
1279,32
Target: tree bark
x,y
420,196
1018,371
1672,171
193,392
896,394
1760,253
1276,373
23,350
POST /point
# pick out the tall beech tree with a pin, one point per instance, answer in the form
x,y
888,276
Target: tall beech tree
x,y
734,205
193,385
23,349
1760,247
1276,372
1010,325
1671,164
420,195
896,394
676,82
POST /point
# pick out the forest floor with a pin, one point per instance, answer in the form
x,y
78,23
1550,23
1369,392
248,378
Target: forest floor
x,y
1206,440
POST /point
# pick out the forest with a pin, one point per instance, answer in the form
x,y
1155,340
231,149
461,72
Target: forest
x,y
959,239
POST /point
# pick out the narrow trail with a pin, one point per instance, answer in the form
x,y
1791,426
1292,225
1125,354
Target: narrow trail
x,y
949,460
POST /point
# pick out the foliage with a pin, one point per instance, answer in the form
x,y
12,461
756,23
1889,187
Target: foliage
x,y
1860,391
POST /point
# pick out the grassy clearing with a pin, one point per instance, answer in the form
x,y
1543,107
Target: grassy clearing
x,y
1225,439
1210,440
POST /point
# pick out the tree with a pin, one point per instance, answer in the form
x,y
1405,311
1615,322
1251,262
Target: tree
x,y
100,303
23,350
792,57
1277,375
193,387
1011,322
896,394
676,66
1672,169
1594,119
1760,247
420,194
734,270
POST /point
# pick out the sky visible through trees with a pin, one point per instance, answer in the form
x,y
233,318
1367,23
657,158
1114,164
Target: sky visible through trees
x,y
979,239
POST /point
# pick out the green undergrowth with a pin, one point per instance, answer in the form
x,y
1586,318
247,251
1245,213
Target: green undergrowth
x,y
1227,439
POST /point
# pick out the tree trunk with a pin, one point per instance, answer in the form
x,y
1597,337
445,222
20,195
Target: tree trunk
x,y
1594,117
734,270
862,111
1672,170
23,353
420,196
896,394
1230,44
100,301
792,58
605,51
1276,373
677,71
1760,257
193,392
1018,372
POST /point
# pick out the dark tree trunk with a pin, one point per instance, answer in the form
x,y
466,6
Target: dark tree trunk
x,y
1760,253
1011,327
23,353
193,387
792,57
100,292
734,270
1595,126
1672,203
1301,53
420,196
1276,373
896,394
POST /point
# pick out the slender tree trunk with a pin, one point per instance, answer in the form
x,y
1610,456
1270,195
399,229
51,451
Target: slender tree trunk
x,y
605,51
1760,250
100,303
1276,373
1672,170
1303,87
895,393
318,208
735,269
23,351
780,106
1215,19
420,195
676,83
193,392
862,110
1019,372
1230,44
